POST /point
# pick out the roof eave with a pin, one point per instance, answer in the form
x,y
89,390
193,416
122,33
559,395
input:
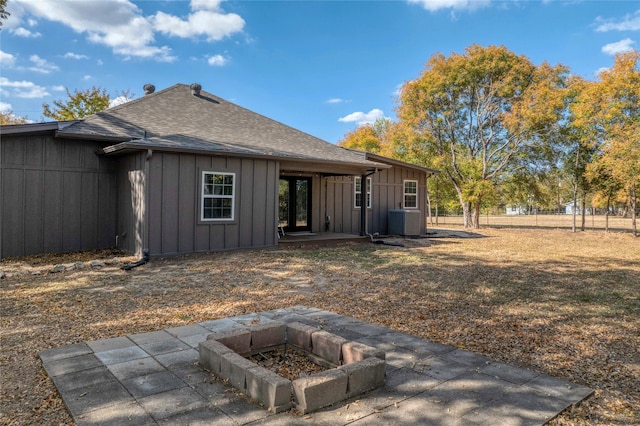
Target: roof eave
x,y
380,158
133,146
92,137
14,129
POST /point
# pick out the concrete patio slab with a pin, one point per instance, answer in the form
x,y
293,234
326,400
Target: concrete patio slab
x,y
155,378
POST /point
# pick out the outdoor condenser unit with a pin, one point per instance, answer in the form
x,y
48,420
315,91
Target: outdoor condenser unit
x,y
404,222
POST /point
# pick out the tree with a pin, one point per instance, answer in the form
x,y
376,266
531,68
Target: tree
x,y
80,104
364,138
370,137
4,14
10,118
483,114
611,108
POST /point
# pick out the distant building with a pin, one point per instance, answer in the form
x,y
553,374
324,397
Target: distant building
x,y
515,210
568,208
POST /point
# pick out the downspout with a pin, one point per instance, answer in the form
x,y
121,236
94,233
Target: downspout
x,y
147,197
327,219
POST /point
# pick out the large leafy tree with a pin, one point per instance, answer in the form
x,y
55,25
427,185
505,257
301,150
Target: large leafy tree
x,y
370,137
79,104
610,107
364,138
483,114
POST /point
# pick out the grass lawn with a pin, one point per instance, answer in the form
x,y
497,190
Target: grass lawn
x,y
563,304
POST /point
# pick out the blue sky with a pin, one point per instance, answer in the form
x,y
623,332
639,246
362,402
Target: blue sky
x,y
324,67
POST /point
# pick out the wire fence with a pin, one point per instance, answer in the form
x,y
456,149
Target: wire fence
x,y
559,221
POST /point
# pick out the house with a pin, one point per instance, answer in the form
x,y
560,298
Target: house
x,y
513,210
180,171
569,208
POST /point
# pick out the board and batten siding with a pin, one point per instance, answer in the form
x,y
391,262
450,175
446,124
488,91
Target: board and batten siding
x,y
174,203
56,195
387,194
131,202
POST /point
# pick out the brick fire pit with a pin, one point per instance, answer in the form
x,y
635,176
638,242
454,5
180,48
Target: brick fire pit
x,y
354,368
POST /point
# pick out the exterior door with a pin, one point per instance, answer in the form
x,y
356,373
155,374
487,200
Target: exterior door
x,y
295,203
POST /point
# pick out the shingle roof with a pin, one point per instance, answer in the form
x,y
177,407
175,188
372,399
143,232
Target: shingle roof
x,y
175,119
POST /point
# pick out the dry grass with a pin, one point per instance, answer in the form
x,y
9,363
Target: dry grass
x,y
561,303
551,221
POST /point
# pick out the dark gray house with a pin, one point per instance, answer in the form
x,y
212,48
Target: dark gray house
x,y
180,171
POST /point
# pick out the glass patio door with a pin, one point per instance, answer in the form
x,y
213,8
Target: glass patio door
x,y
295,203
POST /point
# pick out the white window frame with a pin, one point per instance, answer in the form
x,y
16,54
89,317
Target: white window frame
x,y
356,192
405,193
204,196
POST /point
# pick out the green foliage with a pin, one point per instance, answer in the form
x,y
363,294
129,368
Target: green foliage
x,y
363,138
10,118
610,109
79,104
483,115
370,137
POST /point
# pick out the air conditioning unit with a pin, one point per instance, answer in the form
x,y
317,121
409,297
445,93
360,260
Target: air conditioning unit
x,y
405,222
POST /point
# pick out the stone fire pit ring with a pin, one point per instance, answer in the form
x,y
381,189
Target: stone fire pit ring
x,y
354,368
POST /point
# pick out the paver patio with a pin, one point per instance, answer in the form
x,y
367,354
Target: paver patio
x,y
154,379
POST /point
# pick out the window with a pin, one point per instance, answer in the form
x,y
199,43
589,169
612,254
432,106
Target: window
x,y
358,192
218,195
410,194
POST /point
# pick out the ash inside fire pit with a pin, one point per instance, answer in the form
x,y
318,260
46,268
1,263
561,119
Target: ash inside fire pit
x,y
289,363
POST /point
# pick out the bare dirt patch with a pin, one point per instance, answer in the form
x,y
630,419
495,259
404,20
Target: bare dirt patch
x,y
561,303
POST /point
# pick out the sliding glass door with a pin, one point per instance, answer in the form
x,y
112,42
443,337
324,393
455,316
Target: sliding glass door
x,y
295,203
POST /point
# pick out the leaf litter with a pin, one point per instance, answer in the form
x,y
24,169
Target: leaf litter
x,y
560,303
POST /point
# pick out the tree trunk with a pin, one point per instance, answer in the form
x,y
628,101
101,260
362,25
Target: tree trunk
x,y
575,206
466,207
476,214
632,199
467,214
584,209
606,215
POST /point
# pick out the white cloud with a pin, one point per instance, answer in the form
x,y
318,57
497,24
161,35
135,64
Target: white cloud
x,y
99,63
71,55
87,77
23,32
205,4
435,5
118,101
117,24
217,60
42,65
335,101
58,88
5,107
7,59
16,10
630,22
398,90
32,22
121,25
362,118
214,25
618,47
23,89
